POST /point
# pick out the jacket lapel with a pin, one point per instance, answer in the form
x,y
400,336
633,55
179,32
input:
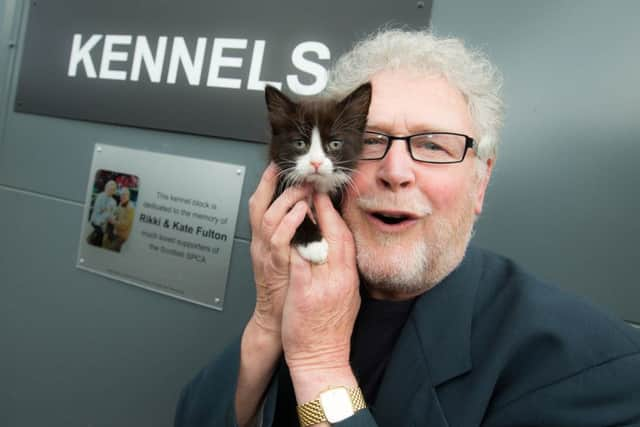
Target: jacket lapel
x,y
406,396
433,347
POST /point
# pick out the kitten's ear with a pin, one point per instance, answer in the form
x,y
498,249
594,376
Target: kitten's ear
x,y
356,104
277,102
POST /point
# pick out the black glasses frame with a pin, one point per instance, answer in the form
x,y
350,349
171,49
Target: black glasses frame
x,y
470,143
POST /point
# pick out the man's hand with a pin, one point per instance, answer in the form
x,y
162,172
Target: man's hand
x,y
272,228
320,310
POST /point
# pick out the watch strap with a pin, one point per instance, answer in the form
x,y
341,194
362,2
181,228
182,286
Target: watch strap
x,y
311,413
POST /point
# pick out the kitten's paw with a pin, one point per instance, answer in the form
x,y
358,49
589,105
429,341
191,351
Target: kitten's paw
x,y
315,252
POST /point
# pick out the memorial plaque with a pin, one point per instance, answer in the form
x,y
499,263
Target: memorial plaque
x,y
162,222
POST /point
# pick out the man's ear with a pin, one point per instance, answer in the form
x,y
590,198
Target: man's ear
x,y
483,183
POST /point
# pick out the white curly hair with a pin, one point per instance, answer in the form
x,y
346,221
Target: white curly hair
x,y
469,70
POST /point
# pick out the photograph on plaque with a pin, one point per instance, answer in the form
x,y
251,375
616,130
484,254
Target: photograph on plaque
x,y
160,222
113,210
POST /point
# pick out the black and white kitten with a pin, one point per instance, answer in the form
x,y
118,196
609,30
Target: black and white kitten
x,y
317,141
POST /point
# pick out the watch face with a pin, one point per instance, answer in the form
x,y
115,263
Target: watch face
x,y
336,404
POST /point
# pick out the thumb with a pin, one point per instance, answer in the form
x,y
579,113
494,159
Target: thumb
x,y
299,271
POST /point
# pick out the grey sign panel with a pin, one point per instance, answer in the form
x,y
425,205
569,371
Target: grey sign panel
x,y
162,222
196,66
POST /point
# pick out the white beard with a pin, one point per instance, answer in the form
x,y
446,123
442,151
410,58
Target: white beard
x,y
400,267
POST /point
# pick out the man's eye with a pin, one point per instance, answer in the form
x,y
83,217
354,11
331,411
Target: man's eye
x,y
335,145
431,146
373,141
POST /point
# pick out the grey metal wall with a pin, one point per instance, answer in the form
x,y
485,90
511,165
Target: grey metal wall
x,y
564,198
81,350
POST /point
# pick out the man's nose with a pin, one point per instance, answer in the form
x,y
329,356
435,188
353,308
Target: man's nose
x,y
396,169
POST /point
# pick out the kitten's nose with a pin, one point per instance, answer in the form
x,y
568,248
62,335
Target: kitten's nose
x,y
316,165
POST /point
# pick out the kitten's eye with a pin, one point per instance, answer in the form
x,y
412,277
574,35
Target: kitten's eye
x,y
335,145
300,144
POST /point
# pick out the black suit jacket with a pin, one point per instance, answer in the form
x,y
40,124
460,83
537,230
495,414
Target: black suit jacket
x,y
490,345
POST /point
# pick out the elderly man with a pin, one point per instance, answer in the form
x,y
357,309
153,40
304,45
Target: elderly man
x,y
406,325
102,210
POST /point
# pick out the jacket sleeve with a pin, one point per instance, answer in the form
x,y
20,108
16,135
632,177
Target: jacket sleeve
x,y
209,399
603,395
362,418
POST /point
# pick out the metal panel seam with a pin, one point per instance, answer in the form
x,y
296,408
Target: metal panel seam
x,y
72,202
41,195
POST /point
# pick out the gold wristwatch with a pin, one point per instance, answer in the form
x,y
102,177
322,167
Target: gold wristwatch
x,y
332,405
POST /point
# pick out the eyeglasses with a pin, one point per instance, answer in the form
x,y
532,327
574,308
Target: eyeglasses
x,y
431,147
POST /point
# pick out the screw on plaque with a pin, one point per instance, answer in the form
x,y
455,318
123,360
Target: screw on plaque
x,y
420,4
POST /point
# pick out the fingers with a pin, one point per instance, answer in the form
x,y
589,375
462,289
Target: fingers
x,y
333,228
281,238
265,216
259,201
279,208
331,223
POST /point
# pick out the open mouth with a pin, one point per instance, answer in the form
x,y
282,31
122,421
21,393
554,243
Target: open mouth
x,y
391,219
